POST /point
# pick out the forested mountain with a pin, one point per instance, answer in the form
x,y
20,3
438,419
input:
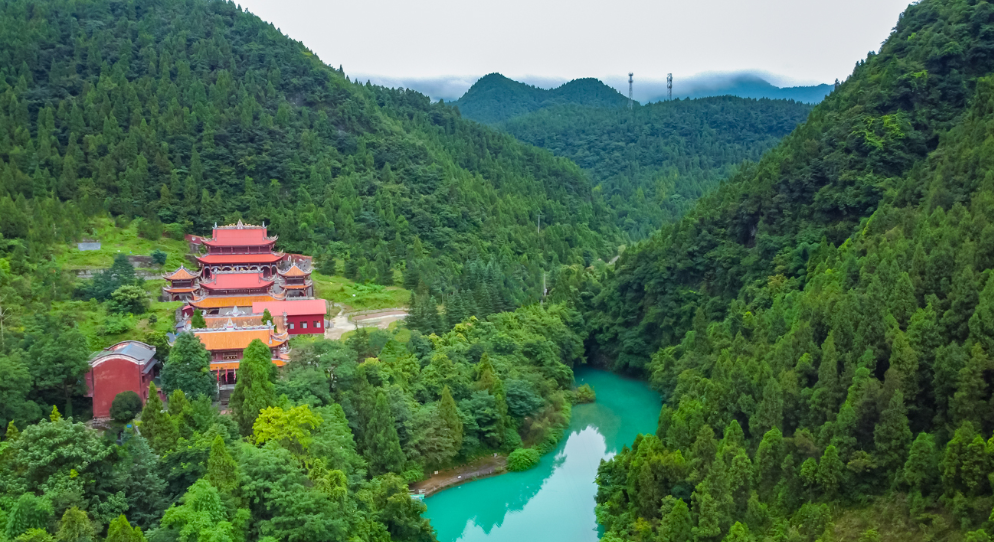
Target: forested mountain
x,y
495,98
822,324
652,162
187,113
748,86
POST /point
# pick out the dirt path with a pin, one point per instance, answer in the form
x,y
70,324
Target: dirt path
x,y
479,468
350,321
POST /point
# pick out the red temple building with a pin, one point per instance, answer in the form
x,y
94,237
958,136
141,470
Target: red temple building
x,y
295,280
240,247
297,316
227,346
183,284
244,283
126,366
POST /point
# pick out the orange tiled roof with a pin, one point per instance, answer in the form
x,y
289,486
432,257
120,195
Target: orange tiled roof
x,y
181,274
294,271
225,365
179,290
230,301
237,339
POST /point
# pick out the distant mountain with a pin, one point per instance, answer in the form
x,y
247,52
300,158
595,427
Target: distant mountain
x,y
495,98
749,86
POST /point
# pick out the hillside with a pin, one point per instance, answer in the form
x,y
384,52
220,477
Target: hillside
x,y
652,163
748,86
822,324
495,98
186,114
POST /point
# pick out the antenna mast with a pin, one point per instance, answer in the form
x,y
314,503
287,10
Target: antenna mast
x,y
669,86
631,80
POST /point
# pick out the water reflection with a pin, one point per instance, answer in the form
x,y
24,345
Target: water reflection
x,y
555,500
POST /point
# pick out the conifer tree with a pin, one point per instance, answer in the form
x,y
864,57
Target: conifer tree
x,y
903,303
892,437
381,443
766,465
921,468
254,389
188,368
222,471
982,322
75,526
157,426
449,414
120,530
969,403
904,358
677,525
147,490
827,394
831,470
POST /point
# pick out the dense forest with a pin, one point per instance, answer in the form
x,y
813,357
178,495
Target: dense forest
x,y
495,98
822,324
183,114
653,162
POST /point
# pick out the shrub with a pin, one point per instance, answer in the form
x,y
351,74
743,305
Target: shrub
x,y
584,394
129,299
125,407
158,257
175,231
522,459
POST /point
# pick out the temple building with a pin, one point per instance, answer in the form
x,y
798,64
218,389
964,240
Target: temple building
x,y
295,280
213,305
297,316
240,247
227,346
126,366
243,283
183,284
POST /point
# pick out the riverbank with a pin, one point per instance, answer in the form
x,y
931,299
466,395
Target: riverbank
x,y
484,467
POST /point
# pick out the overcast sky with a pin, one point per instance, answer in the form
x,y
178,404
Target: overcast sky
x,y
550,41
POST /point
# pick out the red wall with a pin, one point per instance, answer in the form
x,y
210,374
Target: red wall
x,y
299,330
111,377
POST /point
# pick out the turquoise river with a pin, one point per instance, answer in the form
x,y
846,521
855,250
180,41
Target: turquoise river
x,y
554,501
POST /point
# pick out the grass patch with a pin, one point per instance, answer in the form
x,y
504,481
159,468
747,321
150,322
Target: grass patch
x,y
890,518
102,328
114,240
360,297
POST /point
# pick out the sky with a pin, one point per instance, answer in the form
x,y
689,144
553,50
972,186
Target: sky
x,y
442,46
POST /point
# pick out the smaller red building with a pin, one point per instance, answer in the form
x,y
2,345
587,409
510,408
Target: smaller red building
x,y
300,315
126,366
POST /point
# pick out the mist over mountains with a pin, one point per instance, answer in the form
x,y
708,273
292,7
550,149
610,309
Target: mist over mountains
x,y
744,84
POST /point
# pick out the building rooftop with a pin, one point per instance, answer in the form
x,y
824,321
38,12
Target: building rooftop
x,y
182,274
237,339
236,280
216,302
142,353
222,259
239,235
294,271
293,307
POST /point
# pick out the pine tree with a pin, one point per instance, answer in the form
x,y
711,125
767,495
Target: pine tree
x,y
904,358
677,525
831,470
381,443
188,368
827,393
120,530
156,425
147,490
449,414
969,403
982,322
892,437
766,465
902,302
921,468
222,471
75,526
254,389
769,412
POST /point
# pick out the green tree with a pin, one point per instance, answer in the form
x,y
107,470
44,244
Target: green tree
x,y
381,445
125,407
267,318
120,530
188,368
157,426
892,436
831,470
254,389
75,526
197,320
129,299
28,512
222,470
921,469
448,413
677,525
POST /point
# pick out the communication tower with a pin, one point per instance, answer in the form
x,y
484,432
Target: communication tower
x,y
669,86
630,81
